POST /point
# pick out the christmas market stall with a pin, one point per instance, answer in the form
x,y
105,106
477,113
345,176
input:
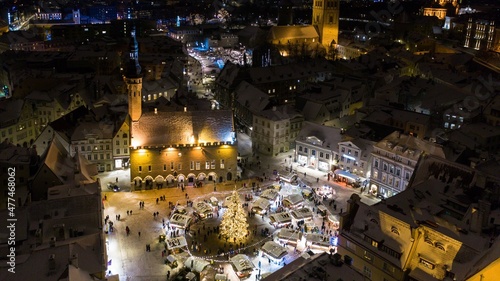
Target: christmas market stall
x,y
274,251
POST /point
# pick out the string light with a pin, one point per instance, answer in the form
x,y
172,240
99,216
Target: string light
x,y
211,258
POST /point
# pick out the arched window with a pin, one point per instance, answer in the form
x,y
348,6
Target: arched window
x,y
395,230
125,136
440,246
374,221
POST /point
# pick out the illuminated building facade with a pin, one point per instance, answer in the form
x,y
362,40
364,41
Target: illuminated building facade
x,y
394,159
432,231
442,8
184,147
481,34
325,18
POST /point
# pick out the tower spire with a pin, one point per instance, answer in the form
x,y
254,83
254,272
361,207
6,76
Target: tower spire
x,y
134,68
133,79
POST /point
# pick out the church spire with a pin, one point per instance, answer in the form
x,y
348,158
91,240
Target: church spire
x,y
133,68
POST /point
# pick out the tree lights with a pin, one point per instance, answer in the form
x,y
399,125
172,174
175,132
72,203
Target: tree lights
x,y
234,226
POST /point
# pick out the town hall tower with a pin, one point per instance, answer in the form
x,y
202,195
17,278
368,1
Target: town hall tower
x,y
133,80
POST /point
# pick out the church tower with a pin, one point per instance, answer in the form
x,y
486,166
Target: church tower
x,y
325,17
133,79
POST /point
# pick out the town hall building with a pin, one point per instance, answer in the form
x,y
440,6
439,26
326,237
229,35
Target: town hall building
x,y
169,147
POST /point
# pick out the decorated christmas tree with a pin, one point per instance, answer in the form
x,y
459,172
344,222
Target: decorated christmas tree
x,y
234,226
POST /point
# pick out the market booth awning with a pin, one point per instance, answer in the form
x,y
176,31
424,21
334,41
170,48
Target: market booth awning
x,y
345,174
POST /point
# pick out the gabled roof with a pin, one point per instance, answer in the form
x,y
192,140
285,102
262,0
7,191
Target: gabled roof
x,y
329,136
57,159
251,97
293,32
101,130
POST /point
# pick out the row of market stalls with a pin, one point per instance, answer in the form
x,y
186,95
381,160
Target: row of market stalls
x,y
315,241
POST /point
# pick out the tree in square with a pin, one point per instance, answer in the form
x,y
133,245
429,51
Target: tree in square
x,y
234,226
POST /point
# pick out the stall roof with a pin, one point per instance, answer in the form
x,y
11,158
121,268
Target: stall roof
x,y
290,234
318,239
177,242
270,194
261,203
196,264
203,207
346,174
302,213
274,250
280,218
242,263
180,220
294,199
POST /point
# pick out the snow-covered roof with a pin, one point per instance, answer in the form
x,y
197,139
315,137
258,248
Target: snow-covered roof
x,y
202,207
190,127
196,264
279,218
302,213
100,130
293,199
261,203
251,97
180,220
318,239
408,147
274,250
242,263
329,136
290,235
176,242
270,194
58,161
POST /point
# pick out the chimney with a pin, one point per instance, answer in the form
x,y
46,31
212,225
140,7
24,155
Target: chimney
x,y
74,260
52,262
52,241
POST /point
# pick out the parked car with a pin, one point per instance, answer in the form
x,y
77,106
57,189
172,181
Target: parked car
x,y
113,186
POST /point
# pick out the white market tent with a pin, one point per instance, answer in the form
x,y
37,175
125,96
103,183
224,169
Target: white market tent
x,y
177,242
280,218
203,207
289,235
242,263
260,205
274,250
195,264
179,220
302,214
318,241
270,194
293,200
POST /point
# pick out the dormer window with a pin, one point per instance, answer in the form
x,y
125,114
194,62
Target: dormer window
x,y
428,241
395,230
